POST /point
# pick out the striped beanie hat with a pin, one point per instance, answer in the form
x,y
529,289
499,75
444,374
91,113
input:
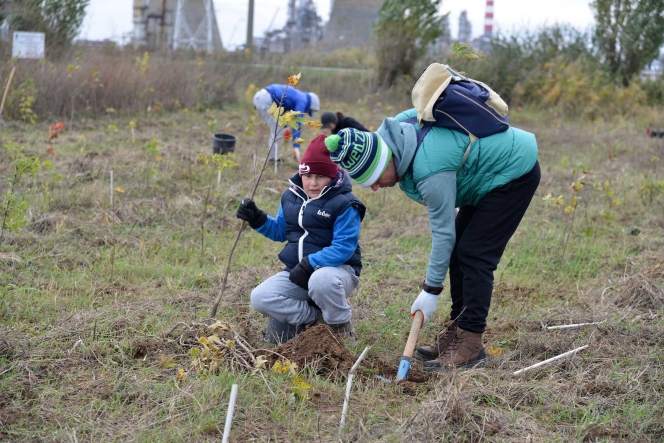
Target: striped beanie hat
x,y
364,155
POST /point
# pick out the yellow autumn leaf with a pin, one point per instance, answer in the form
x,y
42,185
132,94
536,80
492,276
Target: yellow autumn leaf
x,y
549,199
214,339
275,111
300,388
292,80
181,374
260,362
219,325
283,368
299,140
314,124
120,190
278,368
167,362
494,351
289,118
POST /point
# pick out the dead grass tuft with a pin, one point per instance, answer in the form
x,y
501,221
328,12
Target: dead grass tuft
x,y
452,416
642,291
44,223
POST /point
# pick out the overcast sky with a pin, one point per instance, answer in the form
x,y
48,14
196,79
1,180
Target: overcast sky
x,y
113,18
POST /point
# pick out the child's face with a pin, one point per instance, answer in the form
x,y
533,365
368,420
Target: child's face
x,y
314,183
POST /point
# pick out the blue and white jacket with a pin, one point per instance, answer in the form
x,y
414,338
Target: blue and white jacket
x,y
326,228
294,100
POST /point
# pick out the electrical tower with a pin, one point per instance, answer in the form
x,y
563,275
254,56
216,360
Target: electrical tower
x,y
176,24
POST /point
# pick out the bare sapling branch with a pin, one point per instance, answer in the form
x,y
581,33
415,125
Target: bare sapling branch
x,y
276,111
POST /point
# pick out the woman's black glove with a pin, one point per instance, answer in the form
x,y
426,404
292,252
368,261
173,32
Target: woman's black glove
x,y
301,273
249,212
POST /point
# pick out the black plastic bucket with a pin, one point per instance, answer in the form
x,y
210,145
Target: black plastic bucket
x,y
223,143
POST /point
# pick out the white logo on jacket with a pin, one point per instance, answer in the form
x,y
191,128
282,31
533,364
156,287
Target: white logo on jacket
x,y
304,169
323,213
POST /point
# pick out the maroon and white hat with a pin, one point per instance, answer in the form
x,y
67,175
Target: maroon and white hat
x,y
316,159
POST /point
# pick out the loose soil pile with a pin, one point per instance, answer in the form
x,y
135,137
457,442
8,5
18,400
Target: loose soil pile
x,y
318,348
321,350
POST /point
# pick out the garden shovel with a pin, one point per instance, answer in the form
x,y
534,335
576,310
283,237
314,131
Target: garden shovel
x,y
404,366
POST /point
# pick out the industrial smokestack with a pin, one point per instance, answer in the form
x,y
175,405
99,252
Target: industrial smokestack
x,y
250,26
488,20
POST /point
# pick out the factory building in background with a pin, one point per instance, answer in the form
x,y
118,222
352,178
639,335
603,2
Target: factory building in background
x,y
350,23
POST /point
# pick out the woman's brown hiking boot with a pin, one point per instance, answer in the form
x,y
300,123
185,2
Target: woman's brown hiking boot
x,y
426,353
464,351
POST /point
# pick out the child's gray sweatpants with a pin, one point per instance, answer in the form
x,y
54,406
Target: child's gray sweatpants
x,y
286,302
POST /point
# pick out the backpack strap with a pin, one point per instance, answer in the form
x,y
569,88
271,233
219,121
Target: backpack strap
x,y
424,130
473,139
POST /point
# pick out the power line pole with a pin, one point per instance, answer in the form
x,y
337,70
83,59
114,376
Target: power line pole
x,y
250,27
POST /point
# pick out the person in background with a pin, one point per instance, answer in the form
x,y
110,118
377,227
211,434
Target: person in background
x,y
336,121
293,100
319,219
491,182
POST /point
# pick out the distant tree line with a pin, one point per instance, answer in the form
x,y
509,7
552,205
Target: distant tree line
x,y
627,37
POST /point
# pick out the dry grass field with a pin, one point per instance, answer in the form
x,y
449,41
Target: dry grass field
x,y
102,308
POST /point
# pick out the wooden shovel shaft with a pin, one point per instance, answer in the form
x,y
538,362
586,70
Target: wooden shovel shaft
x,y
414,332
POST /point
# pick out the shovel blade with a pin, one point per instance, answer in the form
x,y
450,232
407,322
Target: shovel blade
x,y
404,367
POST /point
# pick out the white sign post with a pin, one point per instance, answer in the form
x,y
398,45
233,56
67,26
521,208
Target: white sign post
x,y
28,45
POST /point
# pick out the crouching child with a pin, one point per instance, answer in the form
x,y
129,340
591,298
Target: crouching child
x,y
319,219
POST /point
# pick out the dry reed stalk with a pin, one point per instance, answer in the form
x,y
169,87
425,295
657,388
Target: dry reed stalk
x,y
4,95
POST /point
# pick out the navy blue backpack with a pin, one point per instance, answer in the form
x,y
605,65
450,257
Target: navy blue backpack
x,y
445,98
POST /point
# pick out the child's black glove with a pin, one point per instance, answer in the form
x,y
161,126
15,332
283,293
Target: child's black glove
x,y
301,273
249,212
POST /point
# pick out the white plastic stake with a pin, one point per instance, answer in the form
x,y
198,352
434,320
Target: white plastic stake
x,y
577,325
536,365
229,414
111,200
218,179
351,374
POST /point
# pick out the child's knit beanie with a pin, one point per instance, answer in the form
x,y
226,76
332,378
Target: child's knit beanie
x,y
316,159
